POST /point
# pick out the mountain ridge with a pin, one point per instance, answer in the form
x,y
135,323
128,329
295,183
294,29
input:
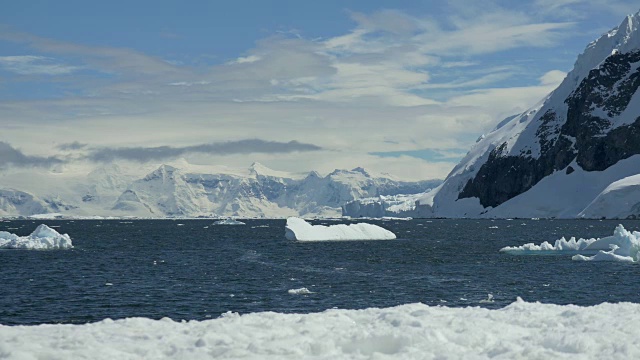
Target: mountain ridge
x,y
168,191
590,123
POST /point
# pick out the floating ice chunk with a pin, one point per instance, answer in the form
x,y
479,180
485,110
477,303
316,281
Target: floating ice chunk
x,y
298,229
623,246
604,256
488,300
301,291
228,222
559,245
42,238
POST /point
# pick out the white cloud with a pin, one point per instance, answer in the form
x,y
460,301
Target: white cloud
x,y
34,65
580,9
553,78
120,61
369,90
246,60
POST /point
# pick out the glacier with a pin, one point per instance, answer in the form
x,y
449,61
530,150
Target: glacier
x,y
521,330
300,230
402,205
42,238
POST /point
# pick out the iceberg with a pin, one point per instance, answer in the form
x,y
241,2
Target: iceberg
x,y
42,238
622,246
298,229
228,222
411,331
559,245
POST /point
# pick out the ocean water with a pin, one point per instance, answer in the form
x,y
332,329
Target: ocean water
x,y
193,270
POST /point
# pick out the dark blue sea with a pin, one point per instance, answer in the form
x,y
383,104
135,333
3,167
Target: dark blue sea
x,y
191,269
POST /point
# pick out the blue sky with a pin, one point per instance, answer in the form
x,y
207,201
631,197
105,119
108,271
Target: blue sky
x,y
403,87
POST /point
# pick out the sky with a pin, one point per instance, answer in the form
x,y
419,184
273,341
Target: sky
x,y
397,87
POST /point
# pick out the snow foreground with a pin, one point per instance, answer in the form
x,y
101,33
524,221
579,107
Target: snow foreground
x,y
298,229
622,246
42,238
415,331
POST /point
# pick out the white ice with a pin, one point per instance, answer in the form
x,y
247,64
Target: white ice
x,y
298,229
228,222
415,331
622,246
42,238
301,291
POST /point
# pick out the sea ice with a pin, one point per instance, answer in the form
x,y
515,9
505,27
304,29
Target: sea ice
x,y
298,229
42,238
520,330
623,246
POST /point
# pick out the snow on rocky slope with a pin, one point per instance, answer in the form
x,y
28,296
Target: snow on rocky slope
x,y
554,159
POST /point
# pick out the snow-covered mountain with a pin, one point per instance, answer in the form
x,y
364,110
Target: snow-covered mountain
x,y
565,156
19,202
193,191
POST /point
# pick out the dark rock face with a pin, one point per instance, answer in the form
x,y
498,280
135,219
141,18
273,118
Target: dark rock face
x,y
584,136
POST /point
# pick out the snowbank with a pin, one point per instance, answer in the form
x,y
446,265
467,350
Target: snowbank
x,y
413,331
298,229
228,222
623,246
42,238
619,200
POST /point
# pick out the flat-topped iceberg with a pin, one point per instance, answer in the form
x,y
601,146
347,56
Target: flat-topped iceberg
x,y
42,238
298,229
623,246
228,222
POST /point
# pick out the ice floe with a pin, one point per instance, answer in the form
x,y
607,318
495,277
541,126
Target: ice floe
x,y
228,222
623,246
301,291
413,331
298,229
42,238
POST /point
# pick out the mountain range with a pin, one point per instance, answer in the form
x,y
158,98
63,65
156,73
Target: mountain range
x,y
189,191
574,154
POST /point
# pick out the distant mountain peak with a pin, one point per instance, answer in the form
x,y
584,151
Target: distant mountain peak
x,y
314,174
361,170
258,169
164,172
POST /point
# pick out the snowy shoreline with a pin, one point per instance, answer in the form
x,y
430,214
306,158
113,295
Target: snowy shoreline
x,y
412,331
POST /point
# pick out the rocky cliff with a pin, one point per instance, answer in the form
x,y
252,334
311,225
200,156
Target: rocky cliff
x,y
590,123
